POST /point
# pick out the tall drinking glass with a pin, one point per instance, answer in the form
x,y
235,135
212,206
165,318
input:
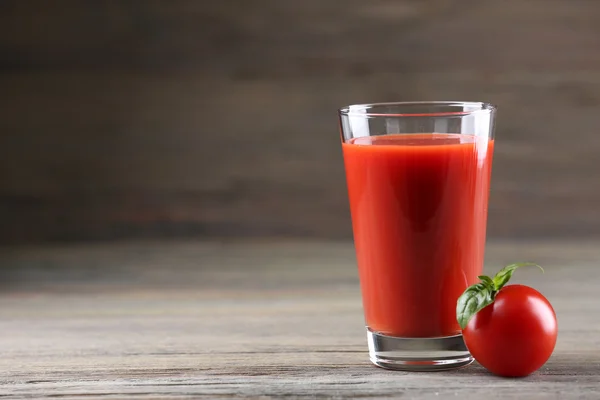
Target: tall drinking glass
x,y
418,178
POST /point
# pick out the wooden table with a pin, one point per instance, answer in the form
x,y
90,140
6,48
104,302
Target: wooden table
x,y
262,320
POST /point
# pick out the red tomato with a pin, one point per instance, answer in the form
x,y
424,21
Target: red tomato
x,y
515,335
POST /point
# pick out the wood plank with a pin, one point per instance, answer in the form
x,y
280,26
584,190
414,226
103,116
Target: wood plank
x,y
230,320
142,119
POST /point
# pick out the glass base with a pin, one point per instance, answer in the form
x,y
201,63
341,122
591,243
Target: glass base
x,y
418,354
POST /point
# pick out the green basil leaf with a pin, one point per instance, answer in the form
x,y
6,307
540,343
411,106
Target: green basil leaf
x,y
475,298
487,280
504,275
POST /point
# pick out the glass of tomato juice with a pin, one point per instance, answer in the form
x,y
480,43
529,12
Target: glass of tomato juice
x,y
418,176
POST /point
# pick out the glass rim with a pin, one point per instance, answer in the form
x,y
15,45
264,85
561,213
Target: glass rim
x,y
363,110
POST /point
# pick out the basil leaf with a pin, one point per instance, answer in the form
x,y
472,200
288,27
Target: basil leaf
x,y
482,294
486,279
475,298
504,275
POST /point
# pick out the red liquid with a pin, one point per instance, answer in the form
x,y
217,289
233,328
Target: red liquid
x,y
419,211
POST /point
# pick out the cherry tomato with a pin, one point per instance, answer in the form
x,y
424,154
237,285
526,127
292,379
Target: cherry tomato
x,y
515,335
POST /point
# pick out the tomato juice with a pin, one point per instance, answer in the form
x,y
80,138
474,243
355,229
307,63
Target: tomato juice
x,y
419,211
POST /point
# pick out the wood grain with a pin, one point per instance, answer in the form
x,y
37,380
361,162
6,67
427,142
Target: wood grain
x,y
193,118
255,320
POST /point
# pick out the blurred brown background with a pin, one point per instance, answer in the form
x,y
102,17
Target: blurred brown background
x,y
218,118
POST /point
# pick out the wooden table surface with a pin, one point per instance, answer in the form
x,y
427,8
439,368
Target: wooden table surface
x,y
261,320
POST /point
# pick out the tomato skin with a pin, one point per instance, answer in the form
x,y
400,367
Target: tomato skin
x,y
515,335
